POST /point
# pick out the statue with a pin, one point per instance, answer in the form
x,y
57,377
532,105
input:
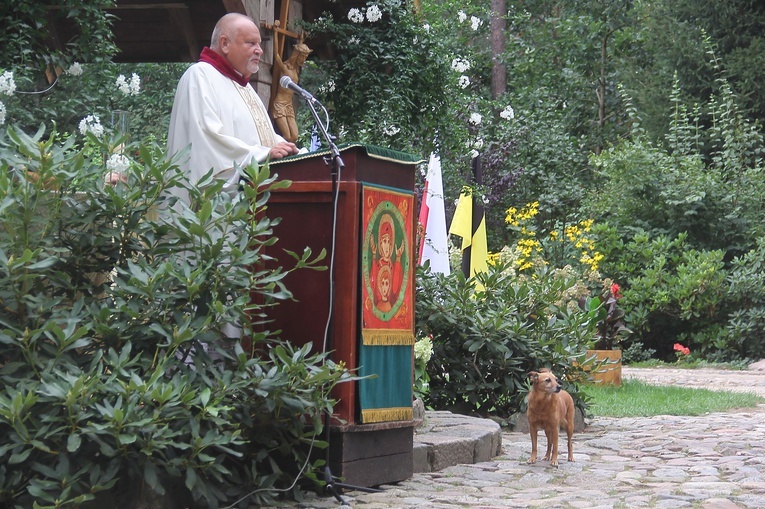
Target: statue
x,y
282,111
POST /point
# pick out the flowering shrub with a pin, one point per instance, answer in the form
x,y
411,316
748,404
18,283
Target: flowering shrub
x,y
571,244
485,342
7,87
423,351
611,327
96,90
682,352
393,78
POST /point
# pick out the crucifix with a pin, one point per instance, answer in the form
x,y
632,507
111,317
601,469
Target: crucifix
x,y
280,107
279,28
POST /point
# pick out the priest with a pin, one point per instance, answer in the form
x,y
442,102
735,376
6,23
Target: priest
x,y
218,114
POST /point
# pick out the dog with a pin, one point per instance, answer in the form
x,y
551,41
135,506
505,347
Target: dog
x,y
550,408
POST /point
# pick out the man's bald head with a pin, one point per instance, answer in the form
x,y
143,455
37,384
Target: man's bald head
x,y
229,25
237,39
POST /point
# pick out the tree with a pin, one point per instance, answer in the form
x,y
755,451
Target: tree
x,y
28,44
498,68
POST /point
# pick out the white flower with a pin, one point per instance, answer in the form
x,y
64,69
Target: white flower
x,y
135,84
475,22
478,143
353,40
462,16
2,113
473,154
423,349
460,65
75,69
475,118
91,124
122,84
426,27
128,88
355,16
390,130
464,81
7,85
328,88
118,163
373,13
507,113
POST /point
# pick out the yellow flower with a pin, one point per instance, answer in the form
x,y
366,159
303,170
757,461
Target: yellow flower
x,y
510,216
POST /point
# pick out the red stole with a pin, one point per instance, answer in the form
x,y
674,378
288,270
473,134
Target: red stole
x,y
222,65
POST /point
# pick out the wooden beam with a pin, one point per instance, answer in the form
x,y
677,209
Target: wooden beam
x,y
234,6
118,7
162,6
181,20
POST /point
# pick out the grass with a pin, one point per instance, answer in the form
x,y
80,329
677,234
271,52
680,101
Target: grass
x,y
691,364
637,399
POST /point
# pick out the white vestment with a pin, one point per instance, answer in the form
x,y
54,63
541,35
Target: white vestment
x,y
223,122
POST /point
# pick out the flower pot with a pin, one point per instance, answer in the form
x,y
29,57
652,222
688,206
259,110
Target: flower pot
x,y
610,373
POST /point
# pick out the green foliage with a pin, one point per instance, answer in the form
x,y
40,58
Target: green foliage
x,y
123,377
487,340
389,77
637,353
684,212
670,288
94,92
27,42
746,325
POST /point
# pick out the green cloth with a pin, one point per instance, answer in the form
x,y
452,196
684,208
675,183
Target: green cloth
x,y
391,388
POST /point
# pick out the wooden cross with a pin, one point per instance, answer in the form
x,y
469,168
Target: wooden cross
x,y
280,28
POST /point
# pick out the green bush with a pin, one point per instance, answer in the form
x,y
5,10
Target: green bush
x,y
119,383
672,292
744,336
486,340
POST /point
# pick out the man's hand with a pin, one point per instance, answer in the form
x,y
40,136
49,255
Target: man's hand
x,y
283,149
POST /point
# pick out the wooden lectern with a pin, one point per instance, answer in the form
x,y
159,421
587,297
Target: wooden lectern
x,y
371,328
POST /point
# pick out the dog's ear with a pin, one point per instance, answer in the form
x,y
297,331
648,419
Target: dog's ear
x,y
534,375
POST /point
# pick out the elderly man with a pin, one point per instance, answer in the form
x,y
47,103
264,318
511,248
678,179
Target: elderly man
x,y
218,113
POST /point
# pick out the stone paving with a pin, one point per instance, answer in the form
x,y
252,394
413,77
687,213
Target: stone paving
x,y
715,461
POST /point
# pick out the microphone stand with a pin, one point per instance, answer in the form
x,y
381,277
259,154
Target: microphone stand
x,y
337,164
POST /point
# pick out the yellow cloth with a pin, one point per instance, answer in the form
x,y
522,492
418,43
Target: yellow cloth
x,y
462,225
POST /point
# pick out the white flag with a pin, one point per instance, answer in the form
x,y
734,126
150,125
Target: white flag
x,y
434,245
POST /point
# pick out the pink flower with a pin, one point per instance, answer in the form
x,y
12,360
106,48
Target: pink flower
x,y
682,349
616,291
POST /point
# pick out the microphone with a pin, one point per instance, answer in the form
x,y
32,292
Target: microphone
x,y
286,82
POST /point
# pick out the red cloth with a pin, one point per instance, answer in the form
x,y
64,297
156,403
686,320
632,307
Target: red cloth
x,y
222,65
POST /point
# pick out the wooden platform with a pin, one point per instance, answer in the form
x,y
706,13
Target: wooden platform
x,y
369,455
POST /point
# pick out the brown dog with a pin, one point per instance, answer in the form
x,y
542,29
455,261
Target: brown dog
x,y
550,408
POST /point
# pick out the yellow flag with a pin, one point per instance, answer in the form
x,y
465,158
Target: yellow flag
x,y
473,236
479,250
462,222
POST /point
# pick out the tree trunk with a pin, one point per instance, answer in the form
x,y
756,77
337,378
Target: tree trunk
x,y
498,68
